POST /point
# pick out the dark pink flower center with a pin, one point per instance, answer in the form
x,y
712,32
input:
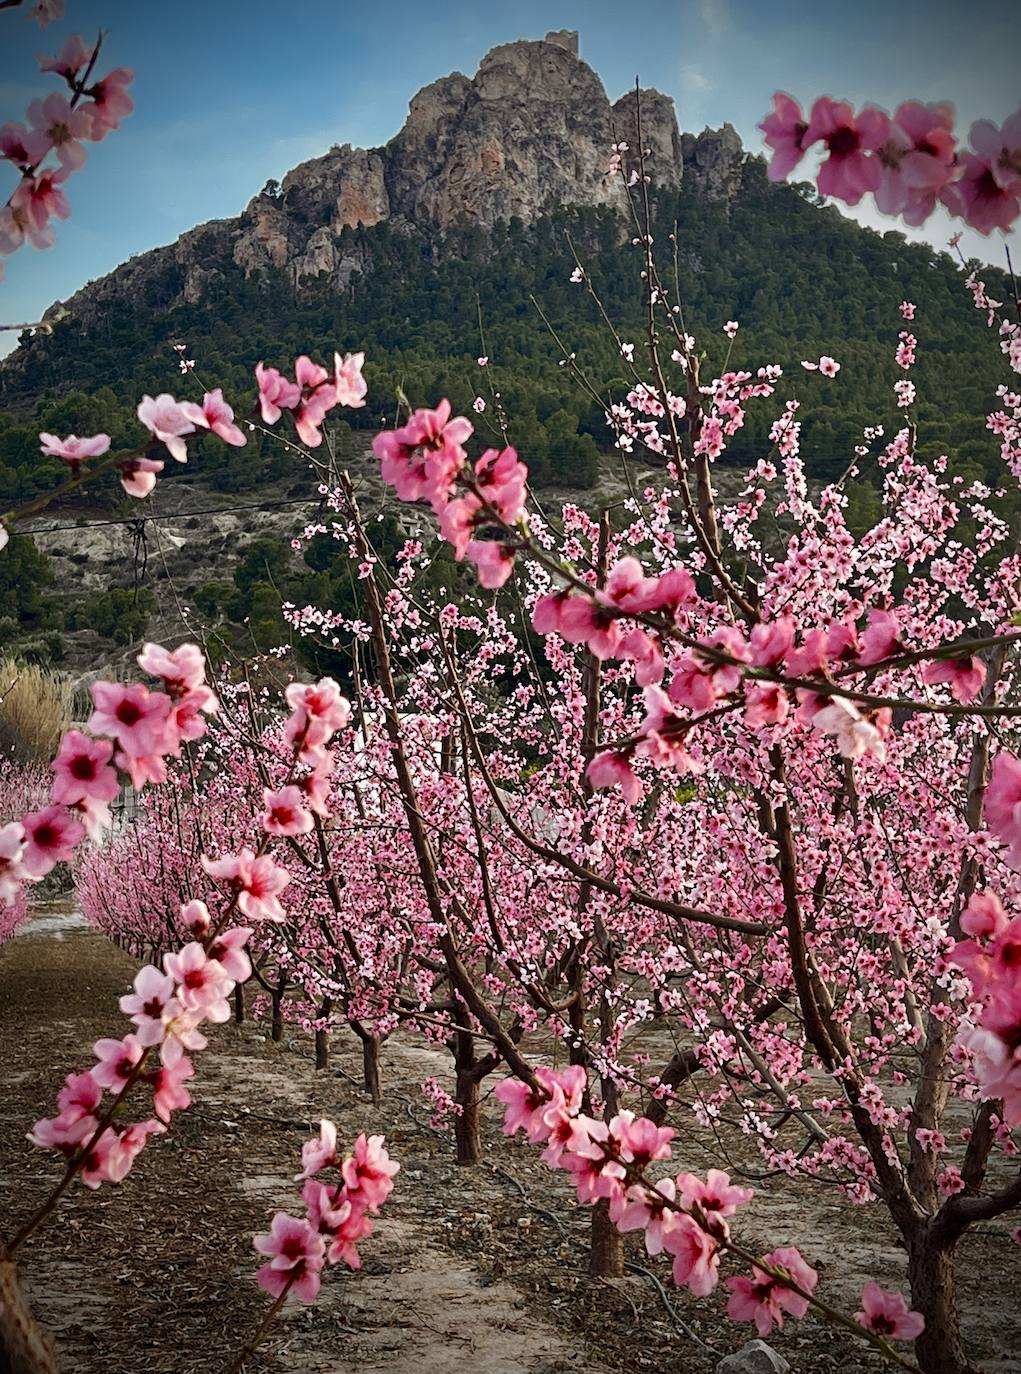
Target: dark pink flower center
x,y
128,713
83,767
844,142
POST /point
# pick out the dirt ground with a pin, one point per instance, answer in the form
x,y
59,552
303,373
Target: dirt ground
x,y
470,1269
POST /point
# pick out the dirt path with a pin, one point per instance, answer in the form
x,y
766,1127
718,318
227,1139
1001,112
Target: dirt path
x,y
471,1270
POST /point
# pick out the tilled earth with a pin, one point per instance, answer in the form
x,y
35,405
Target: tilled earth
x,y
469,1270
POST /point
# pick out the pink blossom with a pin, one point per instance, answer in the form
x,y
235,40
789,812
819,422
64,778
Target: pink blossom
x,y
169,1093
716,1197
152,1004
638,1140
764,1299
72,449
51,836
228,949
12,873
964,675
501,479
285,813
79,1097
916,161
135,717
202,983
424,457
17,227
457,521
612,769
21,147
646,1209
117,1061
276,393
369,1173
216,415
881,638
40,198
494,561
195,919
319,709
105,1162
765,703
256,879
297,1253
349,385
320,1152
317,397
46,12
183,669
1003,804
1001,149
524,1109
979,197
887,1314
784,131
62,127
695,1254
110,102
82,770
73,56
138,475
169,420
848,171
771,641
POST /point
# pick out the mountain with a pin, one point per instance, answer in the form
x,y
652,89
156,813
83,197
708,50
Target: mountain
x,y
435,249
529,134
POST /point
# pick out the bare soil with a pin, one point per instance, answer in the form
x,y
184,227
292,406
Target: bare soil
x,y
478,1269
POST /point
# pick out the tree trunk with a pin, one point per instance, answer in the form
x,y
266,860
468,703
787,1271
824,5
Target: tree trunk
x,y
606,1246
277,1022
322,1036
467,1139
239,1003
370,1066
24,1347
933,1280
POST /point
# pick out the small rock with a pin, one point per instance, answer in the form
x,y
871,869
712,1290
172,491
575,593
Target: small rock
x,y
754,1357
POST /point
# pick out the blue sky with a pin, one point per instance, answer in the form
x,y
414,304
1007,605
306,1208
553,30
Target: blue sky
x,y
230,94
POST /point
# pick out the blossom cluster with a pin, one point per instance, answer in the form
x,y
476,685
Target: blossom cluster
x,y
739,667
338,1214
424,459
684,1217
909,160
313,393
59,125
167,1006
992,957
134,730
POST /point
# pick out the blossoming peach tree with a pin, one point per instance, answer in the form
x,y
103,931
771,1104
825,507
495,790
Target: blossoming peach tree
x,y
758,757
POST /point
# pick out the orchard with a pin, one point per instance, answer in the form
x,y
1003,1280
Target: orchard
x,y
681,850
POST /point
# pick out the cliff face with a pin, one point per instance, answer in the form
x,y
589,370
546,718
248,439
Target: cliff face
x,y
529,133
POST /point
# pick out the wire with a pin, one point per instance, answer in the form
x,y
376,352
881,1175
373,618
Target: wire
x,y
180,515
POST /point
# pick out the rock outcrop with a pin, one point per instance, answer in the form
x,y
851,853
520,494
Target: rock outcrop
x,y
531,132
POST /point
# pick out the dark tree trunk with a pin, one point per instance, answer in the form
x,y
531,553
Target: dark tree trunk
x,y
606,1248
277,1022
322,1036
370,1067
467,1139
239,1003
933,1279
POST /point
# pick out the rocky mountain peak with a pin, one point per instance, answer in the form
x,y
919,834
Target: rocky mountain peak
x,y
529,133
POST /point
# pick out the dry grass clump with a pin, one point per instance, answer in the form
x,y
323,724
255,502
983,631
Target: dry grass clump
x,y
35,710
